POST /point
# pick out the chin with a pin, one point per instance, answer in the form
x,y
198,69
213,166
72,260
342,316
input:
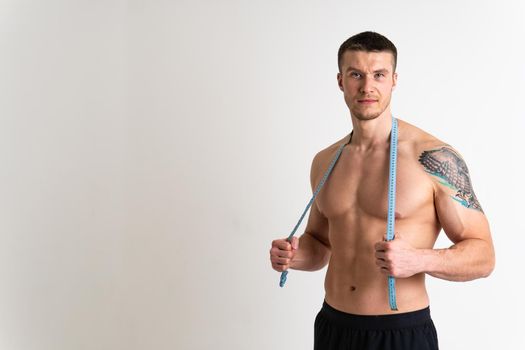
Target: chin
x,y
366,116
368,113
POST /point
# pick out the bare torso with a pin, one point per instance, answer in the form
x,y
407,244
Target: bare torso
x,y
354,200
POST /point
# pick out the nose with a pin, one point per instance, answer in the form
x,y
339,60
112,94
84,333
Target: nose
x,y
367,85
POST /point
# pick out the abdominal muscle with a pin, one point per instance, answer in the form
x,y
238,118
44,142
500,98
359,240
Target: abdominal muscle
x,y
355,284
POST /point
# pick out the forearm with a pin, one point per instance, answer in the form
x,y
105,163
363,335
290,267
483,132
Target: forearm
x,y
467,260
312,254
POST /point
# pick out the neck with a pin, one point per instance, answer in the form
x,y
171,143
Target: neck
x,y
368,134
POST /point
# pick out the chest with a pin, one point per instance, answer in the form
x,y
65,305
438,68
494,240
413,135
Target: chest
x,y
358,185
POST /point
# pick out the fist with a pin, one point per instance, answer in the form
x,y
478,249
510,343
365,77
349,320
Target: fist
x,y
282,253
397,258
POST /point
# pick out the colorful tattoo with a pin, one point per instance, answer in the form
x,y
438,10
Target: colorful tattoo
x,y
452,172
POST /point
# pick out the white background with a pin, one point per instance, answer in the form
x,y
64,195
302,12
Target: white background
x,y
151,150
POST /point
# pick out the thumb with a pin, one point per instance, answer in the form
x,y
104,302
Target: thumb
x,y
295,243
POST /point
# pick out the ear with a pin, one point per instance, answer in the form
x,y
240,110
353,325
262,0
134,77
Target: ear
x,y
340,81
394,81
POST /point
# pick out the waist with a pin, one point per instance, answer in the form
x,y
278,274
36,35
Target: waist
x,y
376,322
362,290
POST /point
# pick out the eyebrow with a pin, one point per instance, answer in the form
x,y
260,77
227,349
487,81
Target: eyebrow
x,y
382,70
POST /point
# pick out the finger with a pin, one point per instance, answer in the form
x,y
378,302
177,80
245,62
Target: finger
x,y
380,255
281,253
295,243
381,246
278,260
385,271
284,253
280,268
282,244
381,263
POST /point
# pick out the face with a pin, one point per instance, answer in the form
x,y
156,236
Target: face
x,y
367,80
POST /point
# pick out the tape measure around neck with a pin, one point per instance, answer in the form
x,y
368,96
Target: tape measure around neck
x,y
391,205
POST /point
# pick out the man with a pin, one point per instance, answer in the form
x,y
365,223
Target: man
x,y
347,221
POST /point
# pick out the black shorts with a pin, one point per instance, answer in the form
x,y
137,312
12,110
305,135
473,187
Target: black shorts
x,y
337,330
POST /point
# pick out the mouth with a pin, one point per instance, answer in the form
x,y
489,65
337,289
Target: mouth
x,y
367,101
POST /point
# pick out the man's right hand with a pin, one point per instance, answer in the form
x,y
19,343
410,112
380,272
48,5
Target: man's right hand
x,y
282,253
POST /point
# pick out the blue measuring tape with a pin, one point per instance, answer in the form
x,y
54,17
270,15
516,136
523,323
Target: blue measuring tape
x,y
289,239
391,205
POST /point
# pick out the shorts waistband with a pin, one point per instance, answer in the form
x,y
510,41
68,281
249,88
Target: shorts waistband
x,y
390,321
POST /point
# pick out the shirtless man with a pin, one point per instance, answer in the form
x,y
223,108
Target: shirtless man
x,y
346,227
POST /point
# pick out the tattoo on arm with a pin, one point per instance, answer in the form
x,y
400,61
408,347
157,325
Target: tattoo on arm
x,y
452,171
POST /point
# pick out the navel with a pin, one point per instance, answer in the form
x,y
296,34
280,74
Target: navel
x,y
353,288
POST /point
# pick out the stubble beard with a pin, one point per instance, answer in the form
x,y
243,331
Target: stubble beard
x,y
367,116
370,115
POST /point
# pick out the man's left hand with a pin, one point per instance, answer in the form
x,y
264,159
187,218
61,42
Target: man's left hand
x,y
397,258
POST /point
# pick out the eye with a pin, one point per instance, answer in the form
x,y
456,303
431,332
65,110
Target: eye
x,y
355,75
380,75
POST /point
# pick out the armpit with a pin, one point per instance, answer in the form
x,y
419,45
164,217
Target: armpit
x,y
450,170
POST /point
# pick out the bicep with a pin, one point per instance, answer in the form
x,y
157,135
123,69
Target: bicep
x,y
457,220
458,209
317,225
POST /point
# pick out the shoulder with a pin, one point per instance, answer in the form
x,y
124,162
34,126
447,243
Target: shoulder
x,y
425,145
323,158
427,149
422,145
417,140
445,165
334,146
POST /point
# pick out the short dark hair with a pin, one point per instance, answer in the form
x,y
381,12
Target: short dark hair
x,y
367,41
